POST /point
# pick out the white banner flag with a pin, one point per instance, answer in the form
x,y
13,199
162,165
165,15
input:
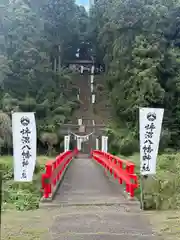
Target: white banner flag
x,y
104,144
92,69
92,79
80,121
92,87
82,69
24,145
150,122
93,98
66,143
97,144
79,141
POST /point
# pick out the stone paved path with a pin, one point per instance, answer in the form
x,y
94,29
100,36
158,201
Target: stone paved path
x,y
93,207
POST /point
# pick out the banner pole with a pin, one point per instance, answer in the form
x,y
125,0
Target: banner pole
x,y
142,192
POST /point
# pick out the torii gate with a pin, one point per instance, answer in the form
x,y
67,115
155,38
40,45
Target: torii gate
x,y
74,129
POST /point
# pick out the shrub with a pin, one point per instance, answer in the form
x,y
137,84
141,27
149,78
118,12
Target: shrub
x,y
22,196
163,190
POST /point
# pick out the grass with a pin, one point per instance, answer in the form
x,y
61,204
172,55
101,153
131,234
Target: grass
x,y
162,191
31,225
22,196
166,223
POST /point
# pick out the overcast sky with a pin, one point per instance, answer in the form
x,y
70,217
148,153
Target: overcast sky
x,y
85,3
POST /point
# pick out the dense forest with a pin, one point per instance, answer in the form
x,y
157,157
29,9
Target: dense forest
x,y
36,37
138,41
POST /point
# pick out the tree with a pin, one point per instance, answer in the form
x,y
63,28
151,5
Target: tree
x,y
27,80
139,44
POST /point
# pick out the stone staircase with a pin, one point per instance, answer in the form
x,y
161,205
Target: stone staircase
x,y
102,108
100,111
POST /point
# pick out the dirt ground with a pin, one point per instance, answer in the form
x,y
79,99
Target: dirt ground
x,y
34,225
166,223
31,225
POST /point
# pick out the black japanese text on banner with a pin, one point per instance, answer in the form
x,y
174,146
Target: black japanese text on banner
x,y
150,122
24,145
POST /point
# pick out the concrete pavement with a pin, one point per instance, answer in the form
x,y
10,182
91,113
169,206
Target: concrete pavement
x,y
93,207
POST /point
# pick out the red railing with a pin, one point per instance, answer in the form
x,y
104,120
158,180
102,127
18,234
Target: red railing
x,y
54,171
122,170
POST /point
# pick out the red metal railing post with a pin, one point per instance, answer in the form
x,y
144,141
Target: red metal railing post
x,y
116,166
131,191
54,170
131,168
46,187
57,166
54,177
48,179
120,168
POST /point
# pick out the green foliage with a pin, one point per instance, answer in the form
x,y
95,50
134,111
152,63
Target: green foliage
x,y
162,190
34,37
122,141
139,44
22,196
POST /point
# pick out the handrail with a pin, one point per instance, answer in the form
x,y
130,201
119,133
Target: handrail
x,y
54,171
122,170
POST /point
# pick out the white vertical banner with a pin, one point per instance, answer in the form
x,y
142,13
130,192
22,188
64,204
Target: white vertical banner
x,y
79,141
80,121
24,145
92,79
66,143
92,69
77,96
92,87
104,144
82,69
93,98
150,122
97,144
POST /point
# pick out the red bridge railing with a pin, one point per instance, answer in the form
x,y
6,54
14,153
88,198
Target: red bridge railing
x,y
122,170
54,171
